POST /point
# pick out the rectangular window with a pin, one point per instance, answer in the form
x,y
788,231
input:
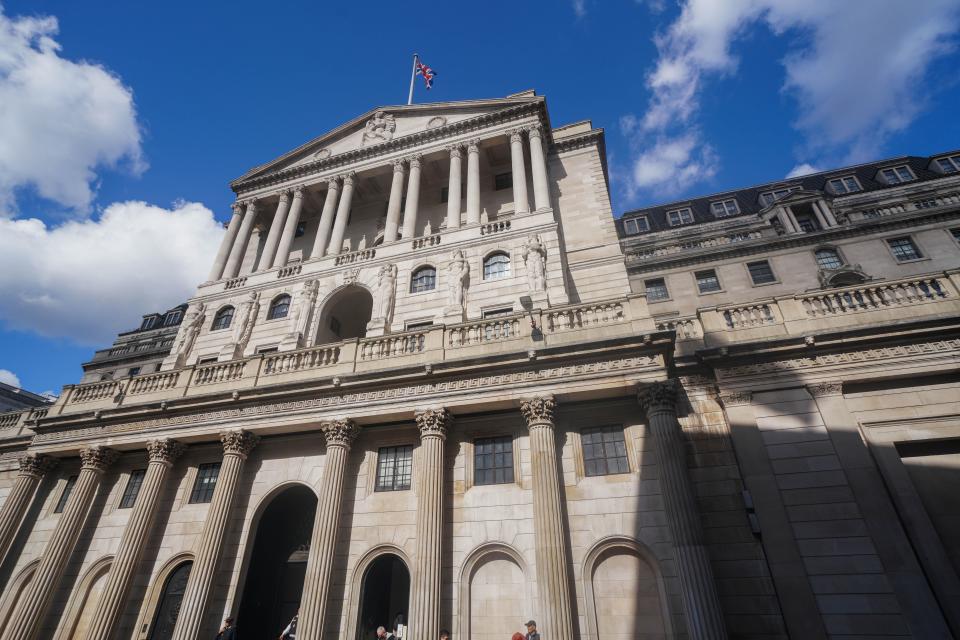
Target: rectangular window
x,y
760,272
493,460
807,222
148,323
444,194
335,326
633,226
904,249
419,324
394,468
769,197
955,232
656,289
846,184
950,164
65,494
133,488
263,350
172,318
207,360
679,217
896,175
134,371
707,281
205,483
725,208
604,451
502,181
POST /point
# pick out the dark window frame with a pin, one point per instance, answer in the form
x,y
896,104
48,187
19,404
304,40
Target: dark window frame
x,y
65,494
765,270
279,307
663,285
503,181
205,483
701,278
223,318
896,246
604,451
493,461
822,261
394,468
495,259
423,279
132,490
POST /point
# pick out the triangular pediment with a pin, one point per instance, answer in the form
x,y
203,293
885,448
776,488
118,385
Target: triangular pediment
x,y
383,125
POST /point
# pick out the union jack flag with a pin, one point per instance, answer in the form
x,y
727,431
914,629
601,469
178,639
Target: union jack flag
x,y
427,73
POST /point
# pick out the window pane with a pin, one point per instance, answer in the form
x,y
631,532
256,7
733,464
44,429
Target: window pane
x,y
394,468
65,495
279,308
205,483
707,281
133,488
630,227
828,259
851,184
904,249
496,266
656,289
905,174
604,451
223,319
760,272
493,460
424,279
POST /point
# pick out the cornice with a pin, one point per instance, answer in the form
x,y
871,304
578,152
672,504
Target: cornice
x,y
578,141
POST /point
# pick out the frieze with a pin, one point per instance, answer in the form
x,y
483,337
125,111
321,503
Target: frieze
x,y
825,389
736,399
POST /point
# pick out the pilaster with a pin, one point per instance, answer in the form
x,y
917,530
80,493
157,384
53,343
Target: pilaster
x,y
32,469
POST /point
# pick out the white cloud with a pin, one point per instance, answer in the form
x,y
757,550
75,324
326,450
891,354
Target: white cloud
x,y
580,8
9,377
854,69
59,120
673,164
86,280
803,169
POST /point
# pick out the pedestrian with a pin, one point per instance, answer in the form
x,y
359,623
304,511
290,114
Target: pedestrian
x,y
227,630
517,636
290,633
383,634
532,633
444,634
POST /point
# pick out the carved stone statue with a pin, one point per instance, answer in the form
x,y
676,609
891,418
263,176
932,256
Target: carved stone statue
x,y
363,243
535,259
386,292
457,271
379,128
300,318
243,329
191,329
428,229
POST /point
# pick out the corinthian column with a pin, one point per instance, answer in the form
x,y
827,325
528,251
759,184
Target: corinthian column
x,y
393,206
343,215
538,164
32,469
700,601
273,236
289,229
239,247
473,182
163,453
237,444
548,528
521,203
339,435
425,592
25,621
326,219
413,200
453,189
216,271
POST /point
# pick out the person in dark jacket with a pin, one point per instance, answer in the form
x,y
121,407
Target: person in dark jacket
x,y
532,633
227,630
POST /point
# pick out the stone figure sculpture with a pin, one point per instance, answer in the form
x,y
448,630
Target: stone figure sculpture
x,y
243,329
306,299
191,329
386,292
535,259
379,128
457,271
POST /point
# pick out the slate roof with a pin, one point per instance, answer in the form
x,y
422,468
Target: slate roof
x,y
748,198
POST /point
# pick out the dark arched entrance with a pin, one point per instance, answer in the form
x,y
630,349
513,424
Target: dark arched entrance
x,y
278,564
385,597
169,607
345,315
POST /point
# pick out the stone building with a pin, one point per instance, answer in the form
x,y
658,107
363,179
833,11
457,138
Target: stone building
x,y
12,397
424,388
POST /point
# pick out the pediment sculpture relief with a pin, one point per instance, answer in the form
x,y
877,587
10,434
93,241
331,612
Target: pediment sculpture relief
x,y
379,128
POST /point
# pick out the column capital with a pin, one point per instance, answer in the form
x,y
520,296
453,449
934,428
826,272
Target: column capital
x,y
349,178
97,458
414,160
658,396
456,150
825,389
538,412
398,166
285,195
237,207
165,450
736,398
340,433
251,204
516,135
238,442
333,183
535,131
473,146
298,191
434,422
36,464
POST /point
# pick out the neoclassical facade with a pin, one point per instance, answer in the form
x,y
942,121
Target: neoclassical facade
x,y
431,383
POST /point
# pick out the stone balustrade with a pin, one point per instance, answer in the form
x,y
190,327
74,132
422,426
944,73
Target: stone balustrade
x,y
686,328
94,391
426,241
287,272
584,316
235,283
354,256
874,296
483,331
219,372
746,316
659,251
11,419
494,227
390,346
153,383
303,360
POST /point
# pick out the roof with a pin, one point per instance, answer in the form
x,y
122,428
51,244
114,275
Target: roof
x,y
25,397
748,198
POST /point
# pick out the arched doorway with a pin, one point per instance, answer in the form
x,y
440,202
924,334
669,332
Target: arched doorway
x,y
278,563
385,596
168,609
345,315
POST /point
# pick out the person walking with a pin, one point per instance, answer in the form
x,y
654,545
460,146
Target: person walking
x,y
383,634
532,633
227,630
290,633
517,636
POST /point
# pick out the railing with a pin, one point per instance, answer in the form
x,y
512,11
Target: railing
x,y
292,270
494,227
355,256
645,253
748,316
235,283
94,391
584,316
153,383
314,358
220,372
426,241
8,420
391,346
685,328
483,331
872,297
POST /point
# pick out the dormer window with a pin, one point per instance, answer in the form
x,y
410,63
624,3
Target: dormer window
x,y
148,323
172,318
633,226
950,164
679,217
767,198
725,208
844,185
897,175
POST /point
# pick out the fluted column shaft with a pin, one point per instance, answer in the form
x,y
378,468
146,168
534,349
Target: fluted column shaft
x,y
32,469
237,445
216,271
326,219
163,453
538,165
24,623
555,619
273,236
413,200
521,202
473,182
239,248
393,206
289,230
425,591
700,600
339,435
453,189
343,215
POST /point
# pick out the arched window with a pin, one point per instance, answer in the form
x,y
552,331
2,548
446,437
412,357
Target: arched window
x,y
424,279
279,308
223,319
828,258
496,266
168,609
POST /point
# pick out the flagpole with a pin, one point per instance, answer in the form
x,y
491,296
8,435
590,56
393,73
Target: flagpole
x,y
413,74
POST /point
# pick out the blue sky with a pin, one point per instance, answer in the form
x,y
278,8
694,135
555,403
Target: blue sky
x,y
121,124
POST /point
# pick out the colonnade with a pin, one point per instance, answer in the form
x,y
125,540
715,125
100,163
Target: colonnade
x,y
552,547
405,182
